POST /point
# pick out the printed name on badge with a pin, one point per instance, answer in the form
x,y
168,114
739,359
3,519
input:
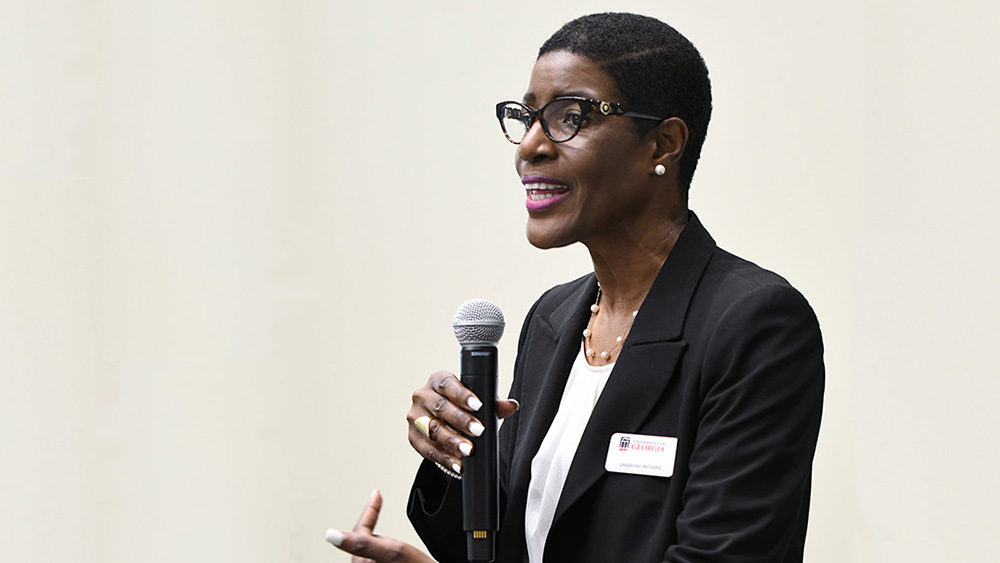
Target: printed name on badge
x,y
640,454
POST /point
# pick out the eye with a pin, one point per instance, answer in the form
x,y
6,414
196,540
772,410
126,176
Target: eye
x,y
573,118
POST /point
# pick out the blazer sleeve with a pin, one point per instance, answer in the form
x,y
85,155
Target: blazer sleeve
x,y
435,511
747,495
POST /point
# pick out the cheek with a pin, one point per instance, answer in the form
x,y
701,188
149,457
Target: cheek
x,y
608,156
603,175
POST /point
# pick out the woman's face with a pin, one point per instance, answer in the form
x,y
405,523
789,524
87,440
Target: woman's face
x,y
597,187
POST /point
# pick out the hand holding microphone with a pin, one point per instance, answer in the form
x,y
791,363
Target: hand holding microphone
x,y
451,423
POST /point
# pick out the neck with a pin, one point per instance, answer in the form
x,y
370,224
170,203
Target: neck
x,y
627,267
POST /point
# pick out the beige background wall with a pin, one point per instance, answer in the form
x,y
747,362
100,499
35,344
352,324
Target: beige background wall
x,y
233,234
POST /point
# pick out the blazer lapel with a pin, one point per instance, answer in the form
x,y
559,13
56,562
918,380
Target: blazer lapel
x,y
549,353
649,357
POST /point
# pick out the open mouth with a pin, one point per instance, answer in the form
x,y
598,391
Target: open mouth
x,y
542,192
544,195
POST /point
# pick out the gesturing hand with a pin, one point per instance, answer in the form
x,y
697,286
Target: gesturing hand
x,y
366,547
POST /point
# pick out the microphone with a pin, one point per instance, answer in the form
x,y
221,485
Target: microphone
x,y
478,327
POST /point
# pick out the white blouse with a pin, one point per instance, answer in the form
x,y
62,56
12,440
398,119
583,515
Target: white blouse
x,y
551,464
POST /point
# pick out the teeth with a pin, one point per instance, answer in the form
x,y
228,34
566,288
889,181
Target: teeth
x,y
539,192
539,197
534,187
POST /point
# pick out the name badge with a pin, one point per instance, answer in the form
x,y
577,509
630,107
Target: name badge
x,y
640,454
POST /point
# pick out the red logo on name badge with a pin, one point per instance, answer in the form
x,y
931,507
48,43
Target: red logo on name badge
x,y
623,444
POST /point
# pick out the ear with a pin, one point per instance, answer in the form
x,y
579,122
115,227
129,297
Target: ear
x,y
671,138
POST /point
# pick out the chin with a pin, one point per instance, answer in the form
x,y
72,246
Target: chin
x,y
545,241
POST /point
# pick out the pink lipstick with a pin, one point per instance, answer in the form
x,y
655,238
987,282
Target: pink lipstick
x,y
543,191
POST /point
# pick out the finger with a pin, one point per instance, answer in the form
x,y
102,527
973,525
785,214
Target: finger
x,y
507,408
447,384
435,452
448,438
369,516
448,452
460,419
366,547
447,418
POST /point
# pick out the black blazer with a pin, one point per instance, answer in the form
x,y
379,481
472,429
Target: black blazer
x,y
726,357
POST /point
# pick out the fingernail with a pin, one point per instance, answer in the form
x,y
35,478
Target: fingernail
x,y
335,537
475,404
465,448
517,404
477,429
456,468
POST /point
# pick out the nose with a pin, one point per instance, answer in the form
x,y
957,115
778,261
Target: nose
x,y
536,144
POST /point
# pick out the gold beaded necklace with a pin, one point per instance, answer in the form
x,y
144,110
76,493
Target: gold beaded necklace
x,y
606,355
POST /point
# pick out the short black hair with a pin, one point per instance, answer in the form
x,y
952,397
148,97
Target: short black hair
x,y
656,69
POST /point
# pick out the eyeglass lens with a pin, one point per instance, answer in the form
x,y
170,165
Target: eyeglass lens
x,y
560,119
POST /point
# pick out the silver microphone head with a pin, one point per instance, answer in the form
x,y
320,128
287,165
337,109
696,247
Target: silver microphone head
x,y
478,321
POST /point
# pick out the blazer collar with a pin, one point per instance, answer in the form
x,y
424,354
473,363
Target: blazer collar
x,y
661,317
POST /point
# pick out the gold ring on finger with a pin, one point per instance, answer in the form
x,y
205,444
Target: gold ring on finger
x,y
423,426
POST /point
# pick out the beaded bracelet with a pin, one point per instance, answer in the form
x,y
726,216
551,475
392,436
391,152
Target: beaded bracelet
x,y
448,472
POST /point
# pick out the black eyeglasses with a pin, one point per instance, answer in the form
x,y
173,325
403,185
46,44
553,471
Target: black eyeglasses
x,y
561,118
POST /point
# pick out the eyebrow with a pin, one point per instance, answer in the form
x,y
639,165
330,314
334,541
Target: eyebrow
x,y
530,97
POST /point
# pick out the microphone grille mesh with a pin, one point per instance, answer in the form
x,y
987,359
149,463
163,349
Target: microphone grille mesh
x,y
478,321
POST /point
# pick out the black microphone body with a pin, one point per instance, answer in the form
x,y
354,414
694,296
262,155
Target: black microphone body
x,y
478,327
480,481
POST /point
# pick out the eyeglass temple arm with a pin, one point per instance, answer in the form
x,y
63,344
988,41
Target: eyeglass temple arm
x,y
608,108
641,116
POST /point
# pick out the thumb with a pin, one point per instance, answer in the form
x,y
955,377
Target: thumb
x,y
507,408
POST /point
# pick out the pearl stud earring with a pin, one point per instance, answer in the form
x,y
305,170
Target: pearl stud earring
x,y
660,169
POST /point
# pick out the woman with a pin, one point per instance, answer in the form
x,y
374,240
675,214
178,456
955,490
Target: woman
x,y
669,402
